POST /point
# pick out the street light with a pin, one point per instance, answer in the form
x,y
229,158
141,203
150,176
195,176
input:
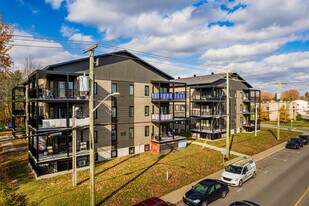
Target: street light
x,y
91,131
113,94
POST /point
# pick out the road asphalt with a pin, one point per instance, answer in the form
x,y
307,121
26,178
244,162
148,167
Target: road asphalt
x,y
282,179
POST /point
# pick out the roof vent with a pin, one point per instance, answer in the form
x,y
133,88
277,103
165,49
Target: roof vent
x,y
194,75
212,73
178,77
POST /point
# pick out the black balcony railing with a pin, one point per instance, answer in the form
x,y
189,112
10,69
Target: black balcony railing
x,y
208,97
53,94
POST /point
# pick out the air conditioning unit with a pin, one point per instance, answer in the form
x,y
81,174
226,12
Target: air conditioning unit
x,y
82,163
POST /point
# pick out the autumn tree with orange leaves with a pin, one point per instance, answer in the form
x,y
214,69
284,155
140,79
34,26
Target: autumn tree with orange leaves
x,y
266,96
6,34
290,95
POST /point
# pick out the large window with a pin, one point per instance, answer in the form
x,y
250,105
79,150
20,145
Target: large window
x,y
61,89
131,132
131,89
131,111
146,131
114,111
114,88
146,90
146,110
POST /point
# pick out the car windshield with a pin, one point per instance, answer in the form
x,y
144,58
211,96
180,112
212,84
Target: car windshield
x,y
200,188
233,169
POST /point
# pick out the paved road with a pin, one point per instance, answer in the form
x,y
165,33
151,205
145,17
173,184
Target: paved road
x,y
281,179
305,130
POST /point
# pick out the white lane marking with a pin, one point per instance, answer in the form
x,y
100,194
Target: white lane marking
x,y
284,160
264,171
239,190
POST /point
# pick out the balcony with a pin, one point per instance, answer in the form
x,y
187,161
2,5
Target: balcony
x,y
161,117
207,113
168,96
58,123
49,94
208,129
208,98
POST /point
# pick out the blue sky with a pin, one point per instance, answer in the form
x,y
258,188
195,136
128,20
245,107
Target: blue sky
x,y
264,41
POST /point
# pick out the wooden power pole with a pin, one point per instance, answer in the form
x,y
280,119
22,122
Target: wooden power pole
x,y
74,146
91,125
227,116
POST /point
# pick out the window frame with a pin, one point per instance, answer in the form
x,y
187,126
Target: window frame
x,y
114,107
146,93
131,86
146,131
114,84
131,114
146,109
131,134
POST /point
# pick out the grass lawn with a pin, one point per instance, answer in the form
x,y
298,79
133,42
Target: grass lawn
x,y
295,123
121,181
246,143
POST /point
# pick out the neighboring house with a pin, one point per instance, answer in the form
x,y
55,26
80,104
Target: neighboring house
x,y
302,106
153,111
272,109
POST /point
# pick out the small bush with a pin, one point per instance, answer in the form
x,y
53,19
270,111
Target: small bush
x,y
299,117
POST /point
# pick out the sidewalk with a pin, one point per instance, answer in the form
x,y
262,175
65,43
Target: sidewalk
x,y
217,148
176,196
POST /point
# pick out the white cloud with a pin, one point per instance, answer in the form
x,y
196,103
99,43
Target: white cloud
x,y
42,55
81,37
68,31
54,3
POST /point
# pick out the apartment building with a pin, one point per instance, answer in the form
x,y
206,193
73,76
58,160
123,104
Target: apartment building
x,y
141,118
207,105
153,112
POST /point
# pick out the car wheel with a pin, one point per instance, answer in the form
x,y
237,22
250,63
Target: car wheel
x,y
204,203
223,195
254,175
240,183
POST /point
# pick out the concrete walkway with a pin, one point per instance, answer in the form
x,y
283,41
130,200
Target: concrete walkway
x,y
176,196
217,148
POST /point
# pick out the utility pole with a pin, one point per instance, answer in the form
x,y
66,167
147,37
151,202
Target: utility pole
x,y
278,118
74,145
255,120
91,125
227,116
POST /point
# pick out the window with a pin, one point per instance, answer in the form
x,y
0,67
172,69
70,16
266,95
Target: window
x,y
114,135
146,147
217,186
152,112
114,111
51,113
95,136
240,120
146,131
114,153
131,132
114,88
131,111
95,88
146,90
131,89
146,110
131,150
61,89
95,114
182,107
267,108
70,89
241,108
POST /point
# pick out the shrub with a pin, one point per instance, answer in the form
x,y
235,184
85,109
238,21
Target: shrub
x,y
298,117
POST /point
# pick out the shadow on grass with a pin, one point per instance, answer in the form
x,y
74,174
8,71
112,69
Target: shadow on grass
x,y
134,178
81,182
275,136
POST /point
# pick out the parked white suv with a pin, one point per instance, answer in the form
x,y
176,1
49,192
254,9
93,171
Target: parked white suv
x,y
238,172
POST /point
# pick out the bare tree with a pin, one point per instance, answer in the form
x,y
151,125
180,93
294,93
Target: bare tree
x,y
29,66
